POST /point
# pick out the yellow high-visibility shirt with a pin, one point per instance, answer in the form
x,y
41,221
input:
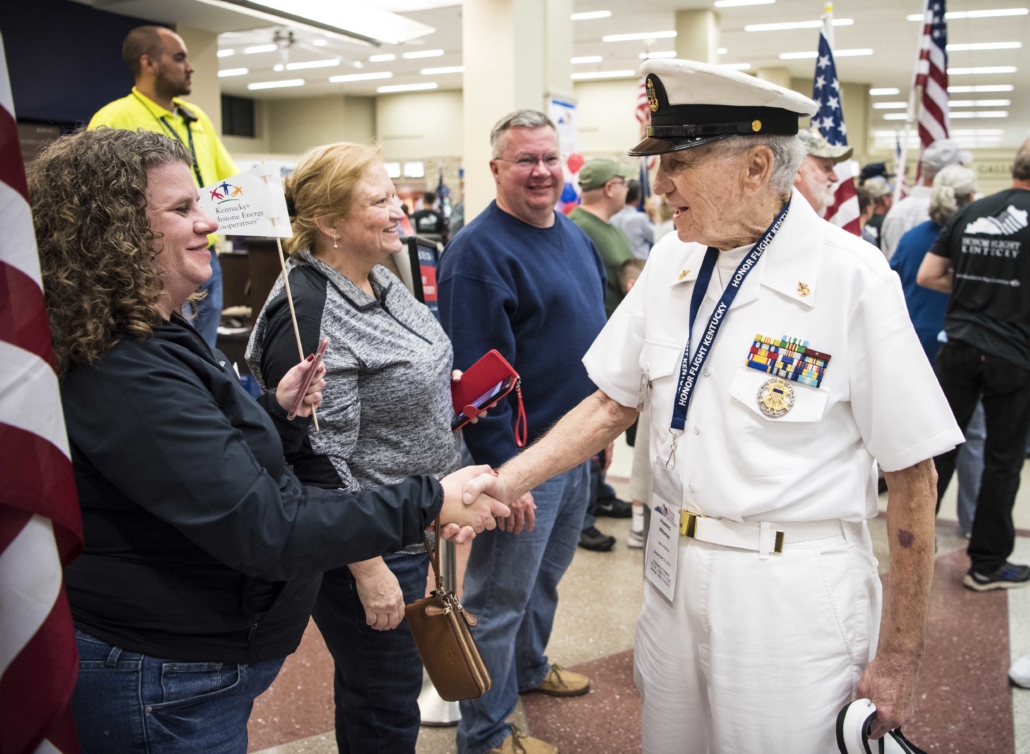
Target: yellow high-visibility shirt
x,y
137,111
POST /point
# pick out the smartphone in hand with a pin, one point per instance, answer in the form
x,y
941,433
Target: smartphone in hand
x,y
495,393
307,379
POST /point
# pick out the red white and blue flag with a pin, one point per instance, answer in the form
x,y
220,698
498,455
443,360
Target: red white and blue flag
x,y
829,122
40,522
931,76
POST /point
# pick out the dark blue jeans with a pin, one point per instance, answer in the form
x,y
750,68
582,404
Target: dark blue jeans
x,y
378,673
130,703
209,308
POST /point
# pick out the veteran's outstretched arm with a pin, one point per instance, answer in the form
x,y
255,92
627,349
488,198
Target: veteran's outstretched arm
x,y
890,679
585,430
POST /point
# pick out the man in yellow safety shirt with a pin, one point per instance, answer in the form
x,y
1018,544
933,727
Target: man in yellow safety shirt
x,y
160,64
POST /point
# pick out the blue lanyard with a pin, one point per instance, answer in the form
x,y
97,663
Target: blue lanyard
x,y
690,368
174,135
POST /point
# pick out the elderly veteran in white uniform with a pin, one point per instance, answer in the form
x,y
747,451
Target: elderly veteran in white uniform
x,y
762,612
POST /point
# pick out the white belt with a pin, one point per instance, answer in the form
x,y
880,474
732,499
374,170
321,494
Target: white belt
x,y
763,537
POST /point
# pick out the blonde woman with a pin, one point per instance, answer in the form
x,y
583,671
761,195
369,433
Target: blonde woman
x,y
386,414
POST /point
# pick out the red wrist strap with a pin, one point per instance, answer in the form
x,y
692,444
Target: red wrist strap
x,y
521,425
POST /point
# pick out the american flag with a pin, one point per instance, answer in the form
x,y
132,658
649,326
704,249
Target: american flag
x,y
829,122
900,171
40,523
931,76
643,111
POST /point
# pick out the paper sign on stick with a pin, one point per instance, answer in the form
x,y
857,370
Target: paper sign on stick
x,y
249,204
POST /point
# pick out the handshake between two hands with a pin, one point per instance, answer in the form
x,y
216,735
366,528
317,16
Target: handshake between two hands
x,y
477,498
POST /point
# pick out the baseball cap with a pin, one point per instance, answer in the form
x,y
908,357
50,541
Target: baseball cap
x,y
598,172
817,146
944,152
877,186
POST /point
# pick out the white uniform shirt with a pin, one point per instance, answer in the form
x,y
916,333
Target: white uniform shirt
x,y
903,216
879,397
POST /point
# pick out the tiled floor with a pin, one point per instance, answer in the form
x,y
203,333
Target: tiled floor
x,y
964,705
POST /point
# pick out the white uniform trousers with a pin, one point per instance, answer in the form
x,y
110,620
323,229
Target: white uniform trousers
x,y
757,656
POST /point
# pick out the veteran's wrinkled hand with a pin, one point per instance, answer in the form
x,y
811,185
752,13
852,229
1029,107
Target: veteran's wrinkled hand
x,y
889,682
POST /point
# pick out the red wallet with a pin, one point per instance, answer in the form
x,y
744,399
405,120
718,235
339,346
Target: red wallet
x,y
488,377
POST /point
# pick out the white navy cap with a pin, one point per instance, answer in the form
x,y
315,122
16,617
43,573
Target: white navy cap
x,y
696,103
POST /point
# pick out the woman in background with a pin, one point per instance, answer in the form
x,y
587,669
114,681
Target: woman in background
x,y
386,414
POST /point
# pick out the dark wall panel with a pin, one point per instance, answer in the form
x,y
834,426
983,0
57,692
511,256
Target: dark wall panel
x,y
64,58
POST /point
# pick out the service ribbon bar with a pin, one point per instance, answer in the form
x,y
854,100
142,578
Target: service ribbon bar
x,y
789,358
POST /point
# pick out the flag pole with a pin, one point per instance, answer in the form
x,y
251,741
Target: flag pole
x,y
910,115
293,312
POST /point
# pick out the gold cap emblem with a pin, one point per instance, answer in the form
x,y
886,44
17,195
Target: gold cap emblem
x,y
652,98
775,398
803,290
756,125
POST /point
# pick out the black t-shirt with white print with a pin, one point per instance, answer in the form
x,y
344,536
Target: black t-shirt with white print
x,y
988,243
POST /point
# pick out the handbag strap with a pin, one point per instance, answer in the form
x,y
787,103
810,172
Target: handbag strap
x,y
434,553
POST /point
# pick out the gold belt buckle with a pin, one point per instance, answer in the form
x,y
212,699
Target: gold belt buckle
x,y
688,524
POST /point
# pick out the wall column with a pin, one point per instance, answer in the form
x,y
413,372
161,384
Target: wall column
x,y
516,53
697,35
202,46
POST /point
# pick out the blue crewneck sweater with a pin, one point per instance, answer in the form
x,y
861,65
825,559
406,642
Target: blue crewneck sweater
x,y
537,296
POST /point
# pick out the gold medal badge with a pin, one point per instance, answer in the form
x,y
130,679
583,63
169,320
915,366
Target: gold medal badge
x,y
652,98
775,398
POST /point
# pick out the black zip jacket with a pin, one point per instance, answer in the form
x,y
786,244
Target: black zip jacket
x,y
200,543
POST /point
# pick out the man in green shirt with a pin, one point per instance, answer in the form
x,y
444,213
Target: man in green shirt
x,y
603,184
160,64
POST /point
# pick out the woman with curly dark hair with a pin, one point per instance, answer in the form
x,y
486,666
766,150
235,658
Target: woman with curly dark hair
x,y
203,553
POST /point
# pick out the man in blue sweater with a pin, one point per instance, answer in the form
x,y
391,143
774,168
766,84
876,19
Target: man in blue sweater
x,y
523,279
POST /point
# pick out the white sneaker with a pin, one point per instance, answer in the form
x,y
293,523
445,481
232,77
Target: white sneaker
x,y
635,539
853,732
1019,673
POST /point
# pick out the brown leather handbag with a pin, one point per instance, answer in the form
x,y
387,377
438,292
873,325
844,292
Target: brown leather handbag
x,y
441,626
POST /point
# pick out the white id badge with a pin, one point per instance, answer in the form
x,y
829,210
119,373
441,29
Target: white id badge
x,y
663,537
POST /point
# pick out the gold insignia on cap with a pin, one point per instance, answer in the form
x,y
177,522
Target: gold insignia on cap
x,y
756,125
683,274
775,398
652,98
803,289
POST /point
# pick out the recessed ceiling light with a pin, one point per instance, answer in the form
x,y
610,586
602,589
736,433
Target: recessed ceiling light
x,y
233,72
890,105
975,14
386,58
985,46
980,114
344,78
278,67
406,88
981,88
657,55
276,84
320,42
722,51
587,59
982,69
260,48
442,70
226,53
328,63
977,132
738,3
814,54
979,102
883,91
422,54
895,116
603,75
797,25
638,36
736,66
590,15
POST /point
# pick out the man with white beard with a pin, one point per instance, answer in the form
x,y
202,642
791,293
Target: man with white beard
x,y
816,179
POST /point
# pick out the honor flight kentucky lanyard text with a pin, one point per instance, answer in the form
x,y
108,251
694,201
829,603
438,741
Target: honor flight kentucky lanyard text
x,y
690,368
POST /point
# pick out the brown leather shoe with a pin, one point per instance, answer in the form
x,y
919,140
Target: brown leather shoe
x,y
519,743
562,682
